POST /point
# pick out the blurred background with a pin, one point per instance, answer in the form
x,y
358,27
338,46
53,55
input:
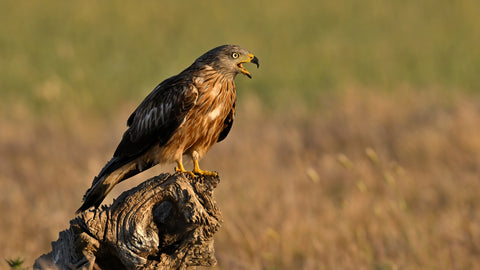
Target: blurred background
x,y
356,144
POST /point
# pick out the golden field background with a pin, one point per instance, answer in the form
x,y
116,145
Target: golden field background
x,y
356,144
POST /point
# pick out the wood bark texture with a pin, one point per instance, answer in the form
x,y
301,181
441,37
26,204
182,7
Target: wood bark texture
x,y
167,222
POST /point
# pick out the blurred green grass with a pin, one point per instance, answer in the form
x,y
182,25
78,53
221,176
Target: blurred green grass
x,y
98,54
391,179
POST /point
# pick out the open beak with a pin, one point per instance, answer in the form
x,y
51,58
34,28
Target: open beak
x,y
252,59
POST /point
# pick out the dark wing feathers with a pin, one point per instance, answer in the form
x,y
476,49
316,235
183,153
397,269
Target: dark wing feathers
x,y
227,124
157,117
154,121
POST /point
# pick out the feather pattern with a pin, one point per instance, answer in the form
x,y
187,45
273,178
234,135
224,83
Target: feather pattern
x,y
184,115
157,117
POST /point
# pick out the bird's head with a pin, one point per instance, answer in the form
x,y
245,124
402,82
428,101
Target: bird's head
x,y
229,60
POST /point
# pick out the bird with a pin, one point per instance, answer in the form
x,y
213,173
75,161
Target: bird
x,y
185,114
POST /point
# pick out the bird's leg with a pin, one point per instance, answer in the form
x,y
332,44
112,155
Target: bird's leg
x,y
180,168
197,170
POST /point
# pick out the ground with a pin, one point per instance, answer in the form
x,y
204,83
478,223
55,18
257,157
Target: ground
x,y
371,181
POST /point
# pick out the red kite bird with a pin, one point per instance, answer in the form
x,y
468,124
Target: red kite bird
x,y
184,115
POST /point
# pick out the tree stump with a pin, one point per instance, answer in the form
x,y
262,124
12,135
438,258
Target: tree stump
x,y
166,222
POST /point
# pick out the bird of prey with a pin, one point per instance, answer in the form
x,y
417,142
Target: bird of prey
x,y
184,115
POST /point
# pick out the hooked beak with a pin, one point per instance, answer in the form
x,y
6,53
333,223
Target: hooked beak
x,y
255,61
252,59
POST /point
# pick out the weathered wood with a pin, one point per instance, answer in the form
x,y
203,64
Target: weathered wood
x,y
167,222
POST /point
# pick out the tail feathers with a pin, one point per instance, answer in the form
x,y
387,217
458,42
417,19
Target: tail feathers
x,y
110,175
95,195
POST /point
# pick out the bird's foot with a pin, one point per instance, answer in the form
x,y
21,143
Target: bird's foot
x,y
181,169
198,171
184,171
204,173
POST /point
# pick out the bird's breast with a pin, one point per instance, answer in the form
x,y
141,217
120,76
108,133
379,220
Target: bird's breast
x,y
215,113
203,124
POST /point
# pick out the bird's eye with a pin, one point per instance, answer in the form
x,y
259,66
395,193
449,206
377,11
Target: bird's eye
x,y
235,55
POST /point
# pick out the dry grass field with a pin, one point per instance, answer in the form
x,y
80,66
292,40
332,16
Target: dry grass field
x,y
356,144
370,181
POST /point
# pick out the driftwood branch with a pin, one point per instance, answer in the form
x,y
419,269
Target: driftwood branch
x,y
167,222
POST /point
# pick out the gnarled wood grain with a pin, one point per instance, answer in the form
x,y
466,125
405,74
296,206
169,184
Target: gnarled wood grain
x,y
167,222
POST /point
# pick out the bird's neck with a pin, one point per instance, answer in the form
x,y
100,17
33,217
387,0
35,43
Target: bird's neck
x,y
208,80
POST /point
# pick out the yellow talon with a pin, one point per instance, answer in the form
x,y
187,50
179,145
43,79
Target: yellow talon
x,y
197,170
180,168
